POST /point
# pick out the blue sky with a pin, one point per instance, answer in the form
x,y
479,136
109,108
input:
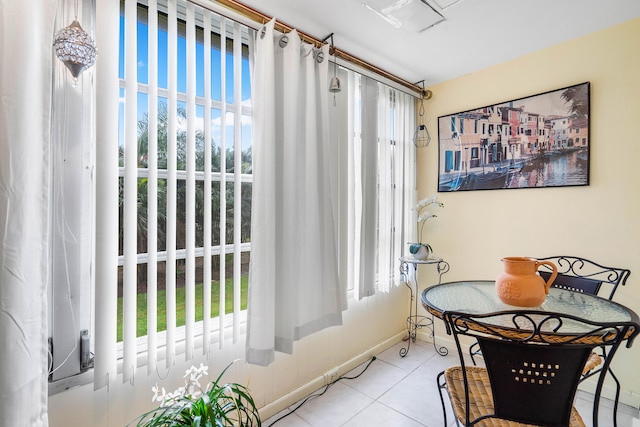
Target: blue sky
x,y
143,71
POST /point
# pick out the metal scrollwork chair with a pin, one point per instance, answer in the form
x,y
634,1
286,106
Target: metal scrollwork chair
x,y
534,363
582,275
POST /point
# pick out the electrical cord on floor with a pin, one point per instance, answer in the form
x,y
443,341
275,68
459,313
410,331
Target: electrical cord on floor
x,y
326,387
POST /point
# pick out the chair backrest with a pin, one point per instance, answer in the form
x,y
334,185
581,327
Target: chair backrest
x,y
583,275
534,359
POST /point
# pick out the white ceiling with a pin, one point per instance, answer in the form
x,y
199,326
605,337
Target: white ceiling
x,y
474,35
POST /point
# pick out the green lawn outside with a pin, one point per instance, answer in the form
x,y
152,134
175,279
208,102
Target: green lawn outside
x,y
141,323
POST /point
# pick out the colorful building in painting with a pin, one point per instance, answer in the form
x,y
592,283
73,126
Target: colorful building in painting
x,y
560,130
578,135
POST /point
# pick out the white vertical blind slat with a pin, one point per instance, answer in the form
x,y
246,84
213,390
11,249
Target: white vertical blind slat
x,y
130,191
403,148
385,202
172,84
190,297
403,136
107,94
237,185
355,199
206,273
152,195
410,182
368,187
223,177
398,136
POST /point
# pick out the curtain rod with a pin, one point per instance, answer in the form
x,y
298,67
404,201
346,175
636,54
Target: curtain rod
x,y
261,18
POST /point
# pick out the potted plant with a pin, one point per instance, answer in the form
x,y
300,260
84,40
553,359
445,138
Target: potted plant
x,y
218,405
421,250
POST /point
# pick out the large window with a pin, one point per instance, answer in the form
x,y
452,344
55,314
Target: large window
x,y
185,176
192,170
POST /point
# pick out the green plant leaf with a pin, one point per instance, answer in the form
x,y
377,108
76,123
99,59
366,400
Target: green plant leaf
x,y
223,405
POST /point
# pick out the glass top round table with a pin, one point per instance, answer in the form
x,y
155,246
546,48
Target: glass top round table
x,y
479,296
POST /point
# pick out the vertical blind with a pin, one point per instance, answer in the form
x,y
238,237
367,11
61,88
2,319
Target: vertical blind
x,y
381,183
184,166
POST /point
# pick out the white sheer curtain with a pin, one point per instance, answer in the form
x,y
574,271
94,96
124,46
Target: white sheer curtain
x,y
294,288
26,38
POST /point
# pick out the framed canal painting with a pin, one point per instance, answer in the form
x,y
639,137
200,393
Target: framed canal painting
x,y
539,141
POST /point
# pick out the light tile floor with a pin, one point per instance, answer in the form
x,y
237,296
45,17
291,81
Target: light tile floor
x,y
402,392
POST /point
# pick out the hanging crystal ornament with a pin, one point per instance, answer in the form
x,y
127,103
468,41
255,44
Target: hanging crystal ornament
x,y
421,137
75,48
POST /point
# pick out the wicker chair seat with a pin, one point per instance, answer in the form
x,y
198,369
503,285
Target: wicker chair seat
x,y
481,398
593,362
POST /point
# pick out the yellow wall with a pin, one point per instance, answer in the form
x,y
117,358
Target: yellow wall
x,y
600,221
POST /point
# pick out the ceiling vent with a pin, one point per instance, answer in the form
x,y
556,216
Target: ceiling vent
x,y
412,15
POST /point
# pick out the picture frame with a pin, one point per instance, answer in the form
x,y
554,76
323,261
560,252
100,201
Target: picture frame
x,y
538,141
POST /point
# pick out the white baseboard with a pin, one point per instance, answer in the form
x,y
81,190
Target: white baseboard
x,y
296,395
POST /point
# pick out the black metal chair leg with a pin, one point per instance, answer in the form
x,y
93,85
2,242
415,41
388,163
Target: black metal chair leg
x,y
441,385
616,400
